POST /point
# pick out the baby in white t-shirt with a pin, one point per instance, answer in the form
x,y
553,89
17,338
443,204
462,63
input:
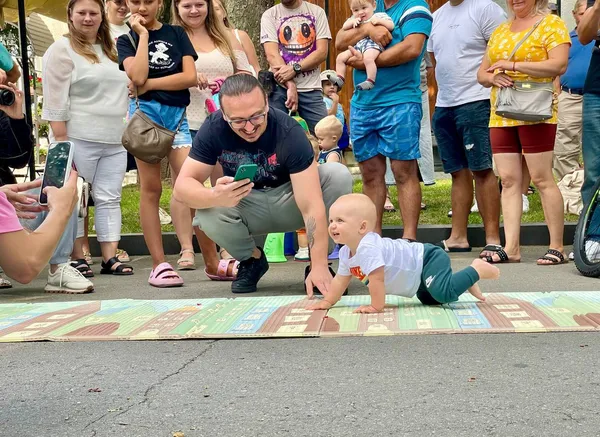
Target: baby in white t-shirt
x,y
363,11
389,266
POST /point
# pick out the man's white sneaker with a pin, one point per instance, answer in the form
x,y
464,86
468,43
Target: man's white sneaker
x,y
525,204
68,280
302,254
592,250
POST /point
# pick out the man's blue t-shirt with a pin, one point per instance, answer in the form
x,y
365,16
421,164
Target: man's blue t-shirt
x,y
6,62
398,84
579,61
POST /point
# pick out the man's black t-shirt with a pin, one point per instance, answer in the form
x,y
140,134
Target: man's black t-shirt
x,y
166,48
592,80
283,148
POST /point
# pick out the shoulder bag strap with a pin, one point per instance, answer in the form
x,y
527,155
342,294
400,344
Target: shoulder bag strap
x,y
527,35
137,103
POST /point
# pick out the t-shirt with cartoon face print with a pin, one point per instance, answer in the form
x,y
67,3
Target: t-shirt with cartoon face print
x,y
166,48
296,31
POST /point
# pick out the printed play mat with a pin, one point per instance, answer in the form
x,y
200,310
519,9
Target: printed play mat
x,y
128,319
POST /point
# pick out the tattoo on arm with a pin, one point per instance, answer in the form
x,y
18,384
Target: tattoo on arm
x,y
311,227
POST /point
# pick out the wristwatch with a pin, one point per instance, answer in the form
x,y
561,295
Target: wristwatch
x,y
297,68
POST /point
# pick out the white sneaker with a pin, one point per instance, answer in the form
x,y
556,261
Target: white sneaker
x,y
164,216
302,254
475,207
592,250
525,204
68,280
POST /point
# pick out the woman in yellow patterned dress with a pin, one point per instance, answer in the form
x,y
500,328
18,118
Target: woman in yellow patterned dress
x,y
542,57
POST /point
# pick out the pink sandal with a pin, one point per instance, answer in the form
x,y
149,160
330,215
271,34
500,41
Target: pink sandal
x,y
222,269
163,276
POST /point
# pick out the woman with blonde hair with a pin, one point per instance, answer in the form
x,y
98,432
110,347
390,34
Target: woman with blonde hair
x,y
219,56
85,101
240,35
541,56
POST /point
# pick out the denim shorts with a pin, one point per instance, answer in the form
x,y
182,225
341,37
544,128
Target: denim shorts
x,y
391,131
463,136
168,117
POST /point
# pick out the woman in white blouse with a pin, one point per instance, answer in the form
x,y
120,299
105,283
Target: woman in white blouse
x,y
116,13
85,101
240,35
219,56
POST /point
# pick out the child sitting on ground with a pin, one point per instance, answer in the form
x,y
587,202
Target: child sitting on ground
x,y
328,131
363,11
393,266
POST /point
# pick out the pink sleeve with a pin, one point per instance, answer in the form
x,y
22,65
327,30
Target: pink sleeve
x,y
9,222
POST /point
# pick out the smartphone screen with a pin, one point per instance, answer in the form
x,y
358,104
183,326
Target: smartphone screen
x,y
58,166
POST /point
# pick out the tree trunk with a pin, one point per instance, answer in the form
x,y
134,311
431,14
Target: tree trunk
x,y
245,15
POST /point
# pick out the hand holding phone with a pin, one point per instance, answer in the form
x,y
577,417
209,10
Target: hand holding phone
x,y
58,167
65,198
246,171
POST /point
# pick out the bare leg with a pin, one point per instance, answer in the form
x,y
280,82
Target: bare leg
x,y
488,199
373,173
509,168
181,214
462,199
540,167
526,177
409,195
369,57
340,68
150,191
485,271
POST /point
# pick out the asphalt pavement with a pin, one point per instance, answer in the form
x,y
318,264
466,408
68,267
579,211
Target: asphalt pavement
x,y
421,385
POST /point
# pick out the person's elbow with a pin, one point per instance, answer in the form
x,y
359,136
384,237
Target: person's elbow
x,y
138,79
179,190
562,68
14,74
23,273
414,51
584,35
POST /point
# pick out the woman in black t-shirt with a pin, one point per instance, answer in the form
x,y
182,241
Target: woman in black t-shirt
x,y
161,67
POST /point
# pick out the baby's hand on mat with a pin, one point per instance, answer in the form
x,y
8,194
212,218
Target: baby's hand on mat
x,y
319,305
368,309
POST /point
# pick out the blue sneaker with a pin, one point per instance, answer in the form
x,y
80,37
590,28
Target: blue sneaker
x,y
335,254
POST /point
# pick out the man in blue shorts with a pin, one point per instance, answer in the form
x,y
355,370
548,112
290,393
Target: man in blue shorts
x,y
385,121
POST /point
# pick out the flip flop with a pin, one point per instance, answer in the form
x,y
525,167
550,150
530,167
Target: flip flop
x,y
444,246
498,250
222,270
389,206
163,276
560,258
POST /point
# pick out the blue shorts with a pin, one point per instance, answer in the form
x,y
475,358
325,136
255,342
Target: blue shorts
x,y
391,131
463,136
168,117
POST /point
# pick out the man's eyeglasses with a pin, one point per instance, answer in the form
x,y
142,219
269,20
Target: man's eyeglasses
x,y
255,120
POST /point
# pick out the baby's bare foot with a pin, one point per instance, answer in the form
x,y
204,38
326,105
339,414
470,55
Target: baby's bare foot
x,y
476,292
485,270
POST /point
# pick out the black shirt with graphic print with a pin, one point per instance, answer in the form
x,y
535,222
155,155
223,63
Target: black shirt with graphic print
x,y
283,148
166,48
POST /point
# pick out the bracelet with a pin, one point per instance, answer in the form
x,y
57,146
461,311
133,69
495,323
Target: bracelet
x,y
514,65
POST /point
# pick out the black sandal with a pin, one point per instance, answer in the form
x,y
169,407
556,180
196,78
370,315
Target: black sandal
x,y
560,258
498,250
107,268
83,267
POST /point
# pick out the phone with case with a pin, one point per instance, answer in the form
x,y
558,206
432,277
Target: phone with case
x,y
57,170
246,171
